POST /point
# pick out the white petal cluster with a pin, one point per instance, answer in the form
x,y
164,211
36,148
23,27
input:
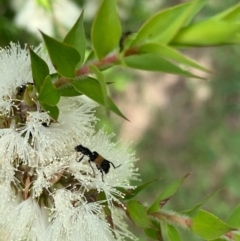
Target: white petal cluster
x,y
117,177
75,219
46,193
24,221
14,71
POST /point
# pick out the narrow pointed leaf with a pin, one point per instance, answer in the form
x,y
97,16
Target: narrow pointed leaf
x,y
68,90
166,194
138,214
90,57
76,38
102,83
39,70
234,219
92,89
106,29
64,57
231,14
53,111
169,53
153,62
49,94
137,190
195,8
163,26
208,33
191,212
172,233
153,233
208,226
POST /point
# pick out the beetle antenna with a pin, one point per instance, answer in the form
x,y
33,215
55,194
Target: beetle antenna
x,y
81,158
114,165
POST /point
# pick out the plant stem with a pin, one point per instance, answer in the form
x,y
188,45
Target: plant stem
x,y
103,63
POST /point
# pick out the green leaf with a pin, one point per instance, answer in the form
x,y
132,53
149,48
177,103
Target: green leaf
x,y
102,83
64,57
208,33
172,233
208,226
138,214
68,90
90,57
49,94
191,212
163,26
153,62
194,9
106,29
166,194
138,189
76,38
234,219
91,88
53,111
231,14
169,53
153,233
39,70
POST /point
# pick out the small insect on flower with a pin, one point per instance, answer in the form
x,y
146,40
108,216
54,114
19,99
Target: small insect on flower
x,y
102,164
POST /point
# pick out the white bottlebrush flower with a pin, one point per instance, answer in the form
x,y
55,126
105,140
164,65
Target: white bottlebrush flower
x,y
8,201
46,176
15,71
24,222
77,115
47,141
39,168
53,141
116,177
74,219
12,146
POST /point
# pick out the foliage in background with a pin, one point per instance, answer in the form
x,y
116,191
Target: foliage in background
x,y
148,49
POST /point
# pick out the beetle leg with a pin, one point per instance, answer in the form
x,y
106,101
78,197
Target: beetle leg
x,y
92,167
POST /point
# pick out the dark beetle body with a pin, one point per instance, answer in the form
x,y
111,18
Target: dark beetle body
x,y
102,164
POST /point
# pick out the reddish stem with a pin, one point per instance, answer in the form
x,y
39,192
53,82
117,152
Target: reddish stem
x,y
101,63
84,70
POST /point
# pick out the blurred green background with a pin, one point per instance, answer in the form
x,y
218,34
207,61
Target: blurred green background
x,y
177,125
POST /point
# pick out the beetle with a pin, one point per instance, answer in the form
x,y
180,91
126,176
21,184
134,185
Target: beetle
x,y
102,164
